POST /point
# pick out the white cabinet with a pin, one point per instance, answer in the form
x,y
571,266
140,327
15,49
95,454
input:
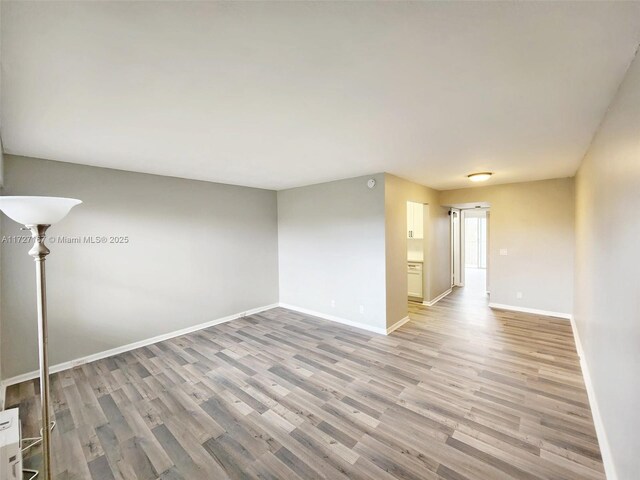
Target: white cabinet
x,y
415,219
409,218
418,219
414,273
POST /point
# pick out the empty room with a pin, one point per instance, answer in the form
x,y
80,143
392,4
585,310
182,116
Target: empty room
x,y
280,240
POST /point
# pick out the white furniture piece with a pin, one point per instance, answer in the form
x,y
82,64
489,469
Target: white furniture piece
x,y
37,214
415,220
10,447
414,272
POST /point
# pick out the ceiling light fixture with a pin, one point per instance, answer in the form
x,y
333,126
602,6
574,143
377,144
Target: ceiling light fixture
x,y
480,177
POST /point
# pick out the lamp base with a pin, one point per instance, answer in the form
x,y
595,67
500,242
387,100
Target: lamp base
x,y
30,443
33,441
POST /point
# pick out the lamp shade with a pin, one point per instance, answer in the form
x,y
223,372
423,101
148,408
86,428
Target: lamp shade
x,y
37,210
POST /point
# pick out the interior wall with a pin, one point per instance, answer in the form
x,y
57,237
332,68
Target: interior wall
x,y
331,246
533,221
437,259
196,252
607,300
2,377
1,183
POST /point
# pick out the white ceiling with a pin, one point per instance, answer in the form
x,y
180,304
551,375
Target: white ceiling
x,y
277,95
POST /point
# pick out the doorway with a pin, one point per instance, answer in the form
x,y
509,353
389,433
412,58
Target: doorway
x,y
474,250
470,261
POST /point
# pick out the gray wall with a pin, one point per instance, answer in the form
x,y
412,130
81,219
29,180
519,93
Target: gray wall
x,y
197,251
534,221
1,183
607,300
332,247
437,244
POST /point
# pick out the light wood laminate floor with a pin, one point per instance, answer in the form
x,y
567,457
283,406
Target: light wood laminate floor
x,y
460,392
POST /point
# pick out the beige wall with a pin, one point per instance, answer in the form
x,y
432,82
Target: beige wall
x,y
607,300
534,222
331,247
197,252
437,266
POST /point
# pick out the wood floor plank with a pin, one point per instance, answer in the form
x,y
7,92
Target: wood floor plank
x,y
462,392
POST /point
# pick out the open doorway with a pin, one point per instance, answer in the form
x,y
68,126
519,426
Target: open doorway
x,y
474,249
470,261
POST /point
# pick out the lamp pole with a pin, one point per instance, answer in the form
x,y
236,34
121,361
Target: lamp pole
x,y
39,252
37,214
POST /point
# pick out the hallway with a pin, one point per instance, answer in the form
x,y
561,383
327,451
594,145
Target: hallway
x,y
475,283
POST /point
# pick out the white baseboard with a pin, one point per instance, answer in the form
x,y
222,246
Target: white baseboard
x,y
125,348
547,313
333,318
397,325
603,441
438,298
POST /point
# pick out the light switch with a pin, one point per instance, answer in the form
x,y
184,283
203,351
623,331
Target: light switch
x,y
504,252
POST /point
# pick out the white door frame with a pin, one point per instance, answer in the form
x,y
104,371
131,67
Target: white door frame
x,y
463,218
488,251
457,271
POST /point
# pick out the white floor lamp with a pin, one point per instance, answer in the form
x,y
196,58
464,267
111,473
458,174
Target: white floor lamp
x,y
37,214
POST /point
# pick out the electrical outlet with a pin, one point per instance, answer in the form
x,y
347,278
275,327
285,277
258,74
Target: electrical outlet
x,y
518,294
333,303
361,308
504,252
